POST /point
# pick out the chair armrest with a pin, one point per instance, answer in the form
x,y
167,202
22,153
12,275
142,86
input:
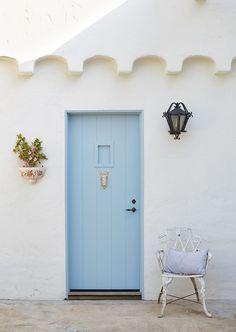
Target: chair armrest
x,y
209,257
160,254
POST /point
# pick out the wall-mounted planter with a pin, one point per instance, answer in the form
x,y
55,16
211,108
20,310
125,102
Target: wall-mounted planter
x,y
32,174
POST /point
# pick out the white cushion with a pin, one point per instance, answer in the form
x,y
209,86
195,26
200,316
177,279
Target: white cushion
x,y
179,262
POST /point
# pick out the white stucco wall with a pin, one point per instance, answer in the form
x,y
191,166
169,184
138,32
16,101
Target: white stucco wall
x,y
30,29
190,182
170,30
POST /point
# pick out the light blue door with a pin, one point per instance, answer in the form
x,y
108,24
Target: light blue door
x,y
103,181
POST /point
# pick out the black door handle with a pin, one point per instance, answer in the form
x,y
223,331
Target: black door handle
x,y
132,210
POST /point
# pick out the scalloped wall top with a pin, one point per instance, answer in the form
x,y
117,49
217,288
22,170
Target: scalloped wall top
x,y
171,30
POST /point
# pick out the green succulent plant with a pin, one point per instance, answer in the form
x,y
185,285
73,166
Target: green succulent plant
x,y
30,154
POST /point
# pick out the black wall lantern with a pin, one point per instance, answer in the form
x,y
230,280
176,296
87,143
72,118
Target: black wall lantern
x,y
177,117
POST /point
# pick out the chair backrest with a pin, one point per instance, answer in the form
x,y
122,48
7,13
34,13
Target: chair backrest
x,y
181,239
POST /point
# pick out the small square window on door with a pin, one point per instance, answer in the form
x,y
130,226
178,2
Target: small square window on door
x,y
104,155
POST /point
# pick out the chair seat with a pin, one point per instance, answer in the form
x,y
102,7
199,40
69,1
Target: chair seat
x,y
173,275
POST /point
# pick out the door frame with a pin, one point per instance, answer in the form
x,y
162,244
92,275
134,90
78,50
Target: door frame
x,y
140,113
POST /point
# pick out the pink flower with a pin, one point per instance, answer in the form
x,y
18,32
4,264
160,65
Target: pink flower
x,y
30,158
29,153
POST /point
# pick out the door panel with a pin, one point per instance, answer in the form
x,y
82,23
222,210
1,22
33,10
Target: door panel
x,y
104,238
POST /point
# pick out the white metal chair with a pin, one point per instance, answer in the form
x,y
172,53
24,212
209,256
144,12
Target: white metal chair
x,y
180,239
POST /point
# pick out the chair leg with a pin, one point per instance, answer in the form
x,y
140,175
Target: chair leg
x,y
160,294
195,288
165,283
202,283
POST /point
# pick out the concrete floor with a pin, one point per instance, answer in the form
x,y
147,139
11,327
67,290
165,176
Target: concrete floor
x,y
113,316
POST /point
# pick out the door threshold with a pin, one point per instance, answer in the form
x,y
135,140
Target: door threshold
x,y
104,295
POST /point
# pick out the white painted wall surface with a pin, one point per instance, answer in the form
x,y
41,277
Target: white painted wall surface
x,y
190,182
30,29
170,30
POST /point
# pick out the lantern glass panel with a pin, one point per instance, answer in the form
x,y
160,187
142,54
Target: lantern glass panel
x,y
175,122
182,121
